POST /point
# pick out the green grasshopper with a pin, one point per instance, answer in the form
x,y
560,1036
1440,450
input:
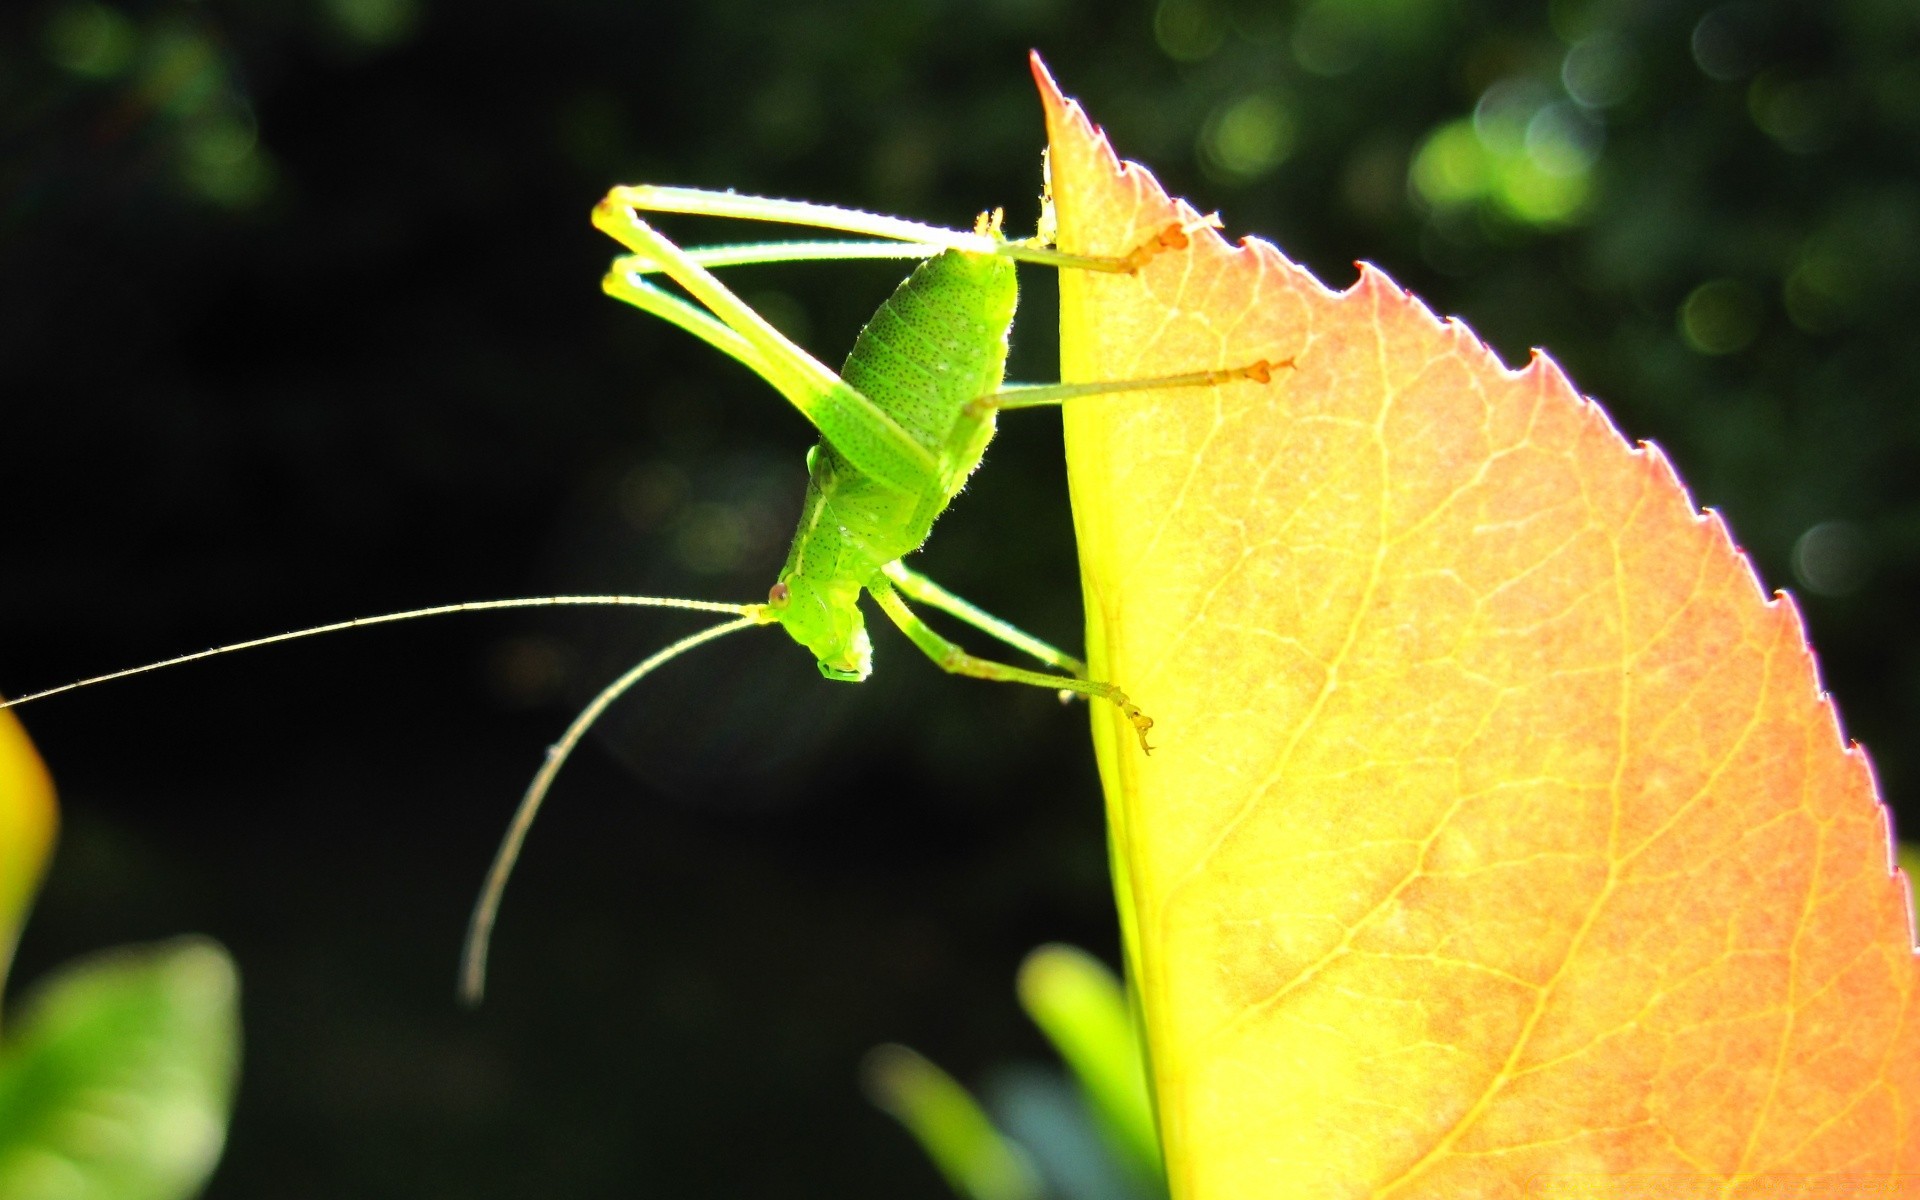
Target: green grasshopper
x,y
902,426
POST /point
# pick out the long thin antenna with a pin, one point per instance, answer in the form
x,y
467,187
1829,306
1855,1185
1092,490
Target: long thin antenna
x,y
754,613
473,956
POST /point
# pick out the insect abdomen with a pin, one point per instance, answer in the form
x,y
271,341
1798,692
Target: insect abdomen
x,y
939,341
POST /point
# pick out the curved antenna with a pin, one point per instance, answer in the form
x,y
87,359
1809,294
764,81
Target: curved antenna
x,y
473,955
755,613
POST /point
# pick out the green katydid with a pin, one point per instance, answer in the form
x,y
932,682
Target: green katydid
x,y
902,426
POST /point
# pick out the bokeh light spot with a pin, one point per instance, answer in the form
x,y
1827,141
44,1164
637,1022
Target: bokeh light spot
x,y
1562,141
1797,113
1248,138
1326,40
646,494
1724,43
712,538
91,40
1599,71
1504,111
181,73
1720,317
1524,153
527,671
1821,293
1188,30
375,23
1834,558
222,160
1539,197
1451,167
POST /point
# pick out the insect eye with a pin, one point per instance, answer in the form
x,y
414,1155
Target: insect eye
x,y
779,595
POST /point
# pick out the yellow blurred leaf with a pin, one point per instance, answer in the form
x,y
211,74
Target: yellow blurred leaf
x,y
27,821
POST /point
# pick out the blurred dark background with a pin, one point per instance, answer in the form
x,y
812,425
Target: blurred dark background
x,y
300,319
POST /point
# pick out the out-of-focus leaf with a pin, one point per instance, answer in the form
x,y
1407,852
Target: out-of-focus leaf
x,y
1082,1009
1047,1114
1497,835
117,1077
27,820
977,1161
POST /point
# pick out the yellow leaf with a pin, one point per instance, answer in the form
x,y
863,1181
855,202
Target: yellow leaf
x,y
1498,840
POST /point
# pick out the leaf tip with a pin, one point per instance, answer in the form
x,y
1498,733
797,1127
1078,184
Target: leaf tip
x,y
1043,77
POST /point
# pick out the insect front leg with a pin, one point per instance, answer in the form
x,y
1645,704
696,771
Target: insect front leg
x,y
952,659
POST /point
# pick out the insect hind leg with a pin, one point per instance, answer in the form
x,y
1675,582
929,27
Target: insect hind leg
x,y
871,439
704,203
622,282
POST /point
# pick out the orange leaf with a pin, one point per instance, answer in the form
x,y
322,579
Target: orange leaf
x,y
1497,839
27,818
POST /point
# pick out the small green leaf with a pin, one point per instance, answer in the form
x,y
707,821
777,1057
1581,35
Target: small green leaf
x,y
978,1162
118,1078
1082,1009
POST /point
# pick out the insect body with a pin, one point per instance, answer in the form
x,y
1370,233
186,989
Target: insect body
x,y
938,342
901,429
904,424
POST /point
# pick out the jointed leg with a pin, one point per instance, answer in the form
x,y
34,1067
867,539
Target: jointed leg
x,y
789,368
622,283
741,254
703,203
870,439
951,658
864,433
1039,394
916,239
919,587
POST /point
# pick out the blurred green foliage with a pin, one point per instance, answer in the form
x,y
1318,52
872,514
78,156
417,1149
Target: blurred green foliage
x,y
299,319
1036,1136
977,1161
116,1071
1083,1009
116,1081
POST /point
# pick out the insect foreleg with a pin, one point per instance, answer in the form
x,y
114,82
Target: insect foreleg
x,y
918,587
952,659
